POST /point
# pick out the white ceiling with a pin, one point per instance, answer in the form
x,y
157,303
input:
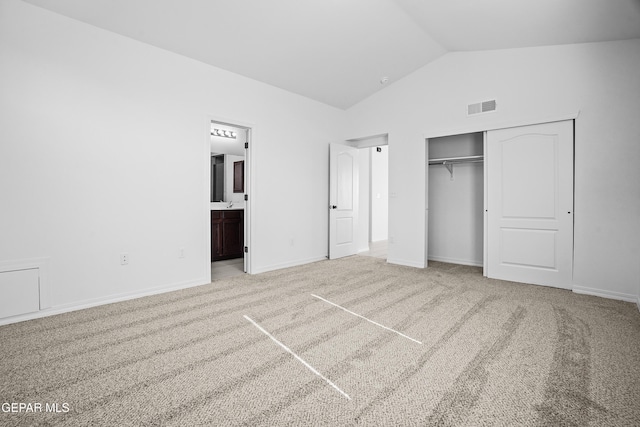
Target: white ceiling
x,y
336,51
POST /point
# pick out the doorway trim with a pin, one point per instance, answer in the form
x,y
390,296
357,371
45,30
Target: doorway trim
x,y
249,183
476,128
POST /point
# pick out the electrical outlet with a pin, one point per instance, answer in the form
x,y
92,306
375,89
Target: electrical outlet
x,y
124,258
181,253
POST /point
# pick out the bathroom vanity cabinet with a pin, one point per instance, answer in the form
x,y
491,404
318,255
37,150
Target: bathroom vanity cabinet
x,y
227,234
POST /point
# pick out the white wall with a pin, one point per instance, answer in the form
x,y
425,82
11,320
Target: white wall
x,y
601,80
379,193
105,149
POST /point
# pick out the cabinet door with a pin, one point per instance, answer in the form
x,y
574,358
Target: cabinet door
x,y
233,235
216,235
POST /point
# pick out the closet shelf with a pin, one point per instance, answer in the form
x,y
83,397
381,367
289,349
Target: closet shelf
x,y
450,160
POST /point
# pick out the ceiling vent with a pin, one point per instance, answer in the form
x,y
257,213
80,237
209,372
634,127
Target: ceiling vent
x,y
481,107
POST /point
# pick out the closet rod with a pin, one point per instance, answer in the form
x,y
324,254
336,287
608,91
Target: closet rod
x,y
448,162
463,159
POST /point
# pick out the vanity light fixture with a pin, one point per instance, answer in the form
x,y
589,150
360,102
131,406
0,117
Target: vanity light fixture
x,y
224,133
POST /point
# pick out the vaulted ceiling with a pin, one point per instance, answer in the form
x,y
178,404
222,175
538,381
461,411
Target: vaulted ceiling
x,y
337,51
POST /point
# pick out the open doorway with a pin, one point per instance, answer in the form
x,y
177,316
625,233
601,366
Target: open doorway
x,y
373,218
228,197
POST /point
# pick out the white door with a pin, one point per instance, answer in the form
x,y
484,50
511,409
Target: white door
x,y
343,200
530,204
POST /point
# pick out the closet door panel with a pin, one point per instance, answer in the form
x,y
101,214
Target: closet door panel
x,y
528,248
530,204
529,178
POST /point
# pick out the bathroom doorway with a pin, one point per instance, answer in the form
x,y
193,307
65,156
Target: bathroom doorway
x,y
229,182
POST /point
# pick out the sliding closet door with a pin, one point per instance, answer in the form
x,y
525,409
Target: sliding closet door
x,y
530,204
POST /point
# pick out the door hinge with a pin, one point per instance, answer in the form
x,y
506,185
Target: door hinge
x,y
246,249
246,145
246,197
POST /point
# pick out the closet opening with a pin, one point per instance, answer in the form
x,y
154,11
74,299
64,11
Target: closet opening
x,y
455,201
502,199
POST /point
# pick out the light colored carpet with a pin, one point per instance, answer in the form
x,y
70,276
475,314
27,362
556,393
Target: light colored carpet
x,y
492,353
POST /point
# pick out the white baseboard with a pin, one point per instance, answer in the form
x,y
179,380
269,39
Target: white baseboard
x,y
456,261
94,302
606,294
296,263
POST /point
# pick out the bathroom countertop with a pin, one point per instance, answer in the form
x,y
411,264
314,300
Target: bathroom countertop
x,y
224,206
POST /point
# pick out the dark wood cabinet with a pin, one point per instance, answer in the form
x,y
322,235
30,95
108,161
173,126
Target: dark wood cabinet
x,y
216,235
238,177
227,234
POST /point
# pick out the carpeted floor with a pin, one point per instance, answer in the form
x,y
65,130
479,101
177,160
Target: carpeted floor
x,y
490,353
